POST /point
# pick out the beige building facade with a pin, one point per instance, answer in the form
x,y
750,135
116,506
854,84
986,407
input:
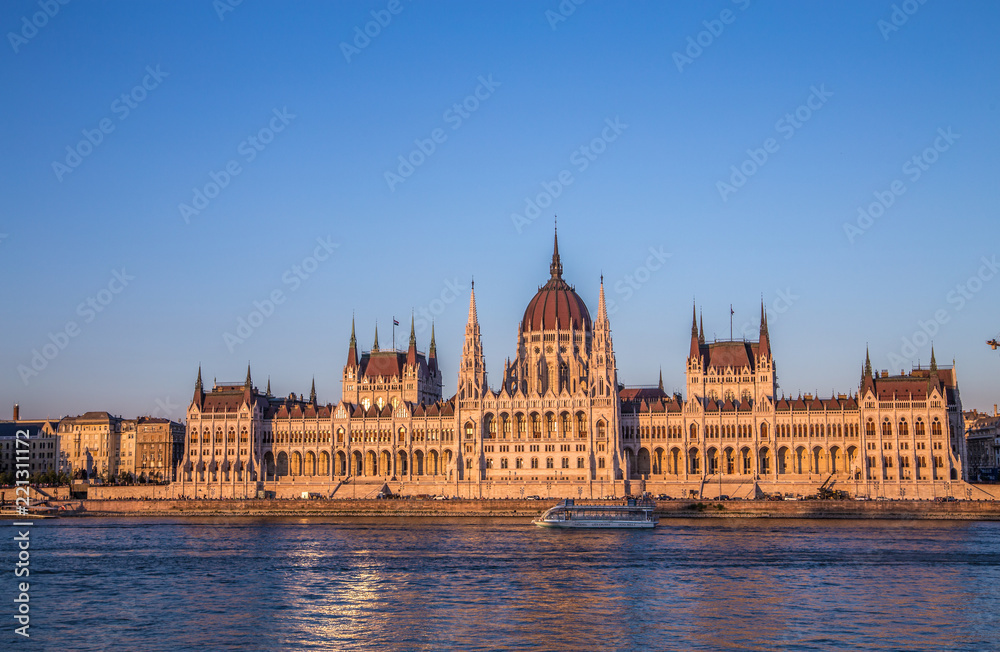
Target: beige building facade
x,y
92,442
560,424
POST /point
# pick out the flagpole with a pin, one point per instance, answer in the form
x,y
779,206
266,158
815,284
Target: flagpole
x,y
393,332
731,322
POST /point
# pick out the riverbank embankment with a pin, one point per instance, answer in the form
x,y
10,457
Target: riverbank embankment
x,y
842,509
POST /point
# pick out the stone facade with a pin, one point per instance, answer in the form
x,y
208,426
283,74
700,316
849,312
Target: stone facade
x,y
93,442
159,447
38,448
983,441
560,424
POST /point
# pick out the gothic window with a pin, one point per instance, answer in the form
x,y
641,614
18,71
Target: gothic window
x,y
534,462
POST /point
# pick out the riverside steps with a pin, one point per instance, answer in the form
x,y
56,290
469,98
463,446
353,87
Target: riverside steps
x,y
803,509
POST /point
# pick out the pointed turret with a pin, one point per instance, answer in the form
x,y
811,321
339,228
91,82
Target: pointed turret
x,y
352,348
934,367
472,368
248,387
701,329
432,365
555,267
602,308
661,379
867,380
199,390
473,313
267,392
765,340
411,352
375,345
695,341
312,392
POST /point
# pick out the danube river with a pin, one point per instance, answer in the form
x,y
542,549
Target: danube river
x,y
499,584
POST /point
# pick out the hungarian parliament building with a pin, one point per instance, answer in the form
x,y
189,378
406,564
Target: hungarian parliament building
x,y
560,424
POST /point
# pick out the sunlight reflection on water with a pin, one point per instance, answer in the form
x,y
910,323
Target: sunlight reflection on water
x,y
430,584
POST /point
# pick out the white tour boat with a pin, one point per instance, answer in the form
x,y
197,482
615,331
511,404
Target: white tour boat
x,y
631,514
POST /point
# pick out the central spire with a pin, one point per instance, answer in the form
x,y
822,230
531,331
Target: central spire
x,y
555,268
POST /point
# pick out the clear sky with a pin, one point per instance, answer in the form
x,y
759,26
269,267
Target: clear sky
x,y
170,167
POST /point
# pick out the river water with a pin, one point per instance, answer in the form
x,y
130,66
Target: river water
x,y
502,584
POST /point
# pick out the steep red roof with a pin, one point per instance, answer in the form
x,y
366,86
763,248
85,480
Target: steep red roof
x,y
729,354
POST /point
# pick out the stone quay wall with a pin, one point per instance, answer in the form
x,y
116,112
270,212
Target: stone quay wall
x,y
822,509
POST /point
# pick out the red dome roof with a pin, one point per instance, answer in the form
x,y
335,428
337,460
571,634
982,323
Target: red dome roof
x,y
556,305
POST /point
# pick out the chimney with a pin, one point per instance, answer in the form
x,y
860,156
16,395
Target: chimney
x,y
17,411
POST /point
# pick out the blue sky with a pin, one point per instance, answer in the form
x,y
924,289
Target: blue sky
x,y
295,125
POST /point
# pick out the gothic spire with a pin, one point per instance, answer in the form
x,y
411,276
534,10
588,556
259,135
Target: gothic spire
x,y
472,367
432,353
602,307
352,348
375,345
933,360
473,314
411,353
695,341
199,390
312,392
701,329
661,379
765,339
267,392
555,268
248,383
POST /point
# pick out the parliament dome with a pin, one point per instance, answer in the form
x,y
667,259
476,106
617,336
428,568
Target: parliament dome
x,y
556,305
